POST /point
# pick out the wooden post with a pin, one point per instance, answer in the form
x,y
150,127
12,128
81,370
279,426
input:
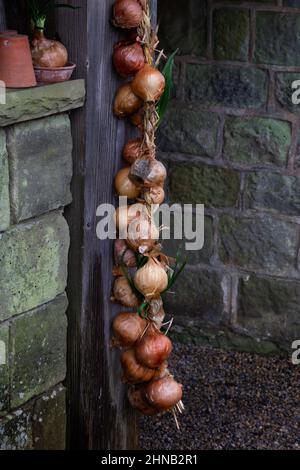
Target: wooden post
x,y
2,16
99,417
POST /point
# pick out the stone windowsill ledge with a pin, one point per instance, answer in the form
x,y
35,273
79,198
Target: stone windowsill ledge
x,y
33,103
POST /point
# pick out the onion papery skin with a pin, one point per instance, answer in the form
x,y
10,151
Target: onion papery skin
x,y
126,102
137,119
148,84
124,256
128,58
128,328
132,150
136,397
163,394
154,195
148,173
142,234
126,214
151,280
153,349
133,372
124,185
128,14
47,52
124,294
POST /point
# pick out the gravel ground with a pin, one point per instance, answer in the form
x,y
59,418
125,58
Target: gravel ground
x,y
233,401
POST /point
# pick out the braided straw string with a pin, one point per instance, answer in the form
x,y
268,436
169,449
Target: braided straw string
x,y
150,42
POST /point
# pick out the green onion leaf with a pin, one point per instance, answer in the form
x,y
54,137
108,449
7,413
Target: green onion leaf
x,y
168,74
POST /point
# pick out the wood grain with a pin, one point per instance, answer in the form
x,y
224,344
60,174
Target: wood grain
x,y
99,415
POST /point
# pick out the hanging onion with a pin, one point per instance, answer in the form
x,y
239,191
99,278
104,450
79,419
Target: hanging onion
x,y
128,328
136,397
124,186
148,84
124,294
126,102
163,394
133,372
153,349
128,14
126,214
137,119
147,172
128,58
142,234
132,150
152,279
154,195
123,255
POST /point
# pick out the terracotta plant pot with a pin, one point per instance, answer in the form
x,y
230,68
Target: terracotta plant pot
x,y
16,69
54,74
9,32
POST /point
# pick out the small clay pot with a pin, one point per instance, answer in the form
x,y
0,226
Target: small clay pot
x,y
9,32
54,74
16,69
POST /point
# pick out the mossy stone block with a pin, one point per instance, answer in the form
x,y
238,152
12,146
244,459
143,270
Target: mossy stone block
x,y
231,34
204,184
284,91
41,101
277,38
16,430
273,192
257,141
38,350
183,26
270,308
267,244
33,259
236,87
49,420
189,130
40,157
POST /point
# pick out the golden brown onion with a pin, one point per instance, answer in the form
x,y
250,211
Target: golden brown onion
x,y
142,234
128,14
128,58
128,328
153,349
163,394
46,52
154,195
148,84
126,102
124,186
148,172
124,294
126,214
124,255
137,119
132,150
151,280
137,400
133,372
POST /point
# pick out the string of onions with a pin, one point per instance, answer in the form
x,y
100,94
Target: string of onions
x,y
146,349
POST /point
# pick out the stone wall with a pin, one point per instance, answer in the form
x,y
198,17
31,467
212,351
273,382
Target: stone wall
x,y
231,141
35,176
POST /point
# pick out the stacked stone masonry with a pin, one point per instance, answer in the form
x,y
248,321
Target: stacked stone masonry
x,y
35,177
231,141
